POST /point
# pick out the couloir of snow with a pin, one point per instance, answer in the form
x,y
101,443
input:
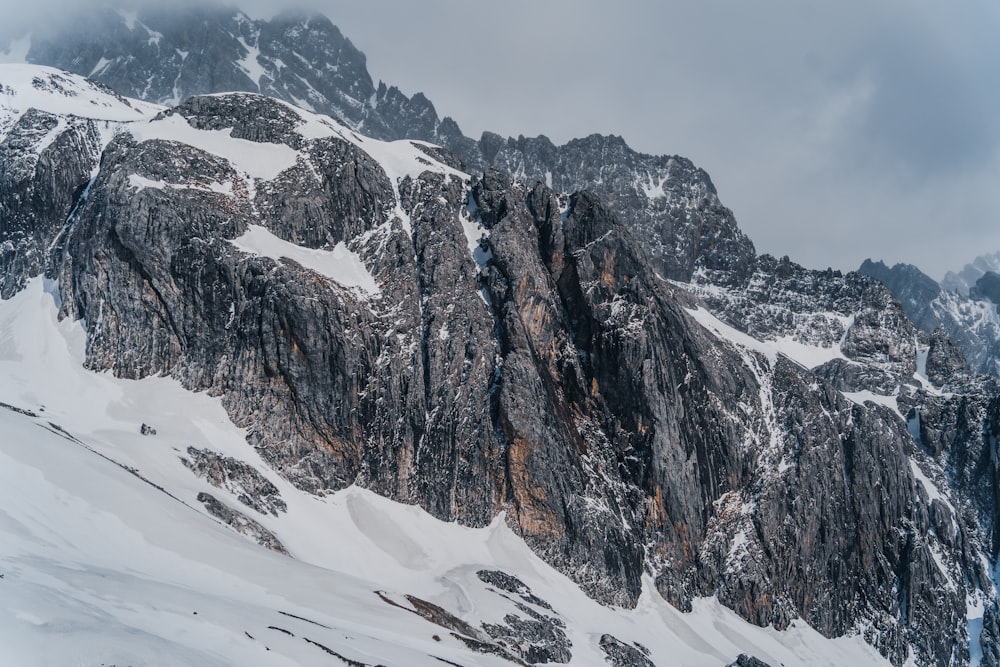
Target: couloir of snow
x,y
101,566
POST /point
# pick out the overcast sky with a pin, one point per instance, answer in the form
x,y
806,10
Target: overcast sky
x,y
835,131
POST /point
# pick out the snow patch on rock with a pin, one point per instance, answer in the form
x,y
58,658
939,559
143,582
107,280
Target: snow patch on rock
x,y
341,265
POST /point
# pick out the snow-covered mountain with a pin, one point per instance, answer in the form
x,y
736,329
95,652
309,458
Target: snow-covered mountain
x,y
968,318
576,359
964,280
503,356
166,56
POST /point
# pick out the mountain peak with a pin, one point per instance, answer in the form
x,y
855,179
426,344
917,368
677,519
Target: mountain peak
x,y
962,281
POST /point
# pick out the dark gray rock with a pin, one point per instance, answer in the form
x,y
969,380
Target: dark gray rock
x,y
241,523
620,654
829,309
745,660
239,478
511,584
914,289
666,201
990,637
987,287
552,373
538,639
970,319
945,362
669,204
565,392
167,56
46,171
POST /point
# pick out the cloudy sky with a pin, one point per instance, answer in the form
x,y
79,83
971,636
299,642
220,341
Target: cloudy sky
x,y
835,131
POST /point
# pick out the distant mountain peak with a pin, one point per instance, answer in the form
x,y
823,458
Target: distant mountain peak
x,y
962,281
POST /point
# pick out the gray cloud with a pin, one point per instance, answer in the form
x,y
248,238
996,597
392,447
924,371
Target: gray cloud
x,y
835,131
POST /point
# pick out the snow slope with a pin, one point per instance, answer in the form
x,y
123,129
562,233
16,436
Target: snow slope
x,y
24,87
108,558
807,356
340,264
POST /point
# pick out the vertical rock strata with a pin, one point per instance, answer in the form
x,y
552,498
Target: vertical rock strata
x,y
524,354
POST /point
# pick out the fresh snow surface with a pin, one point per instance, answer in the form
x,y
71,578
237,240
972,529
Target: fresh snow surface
x,y
250,64
100,66
101,567
974,611
808,356
340,264
23,87
862,397
140,182
258,160
722,330
922,352
929,486
399,159
653,187
474,231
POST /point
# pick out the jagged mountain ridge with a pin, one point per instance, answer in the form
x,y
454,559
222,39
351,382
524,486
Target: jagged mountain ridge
x,y
305,60
550,360
668,202
962,281
971,320
165,56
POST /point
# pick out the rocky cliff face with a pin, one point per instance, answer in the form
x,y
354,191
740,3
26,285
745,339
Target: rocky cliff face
x,y
914,289
375,316
987,287
166,57
670,205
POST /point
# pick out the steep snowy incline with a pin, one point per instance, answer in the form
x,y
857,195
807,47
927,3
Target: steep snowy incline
x,y
53,91
109,559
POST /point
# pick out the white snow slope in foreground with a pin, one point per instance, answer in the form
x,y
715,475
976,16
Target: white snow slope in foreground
x,y
101,567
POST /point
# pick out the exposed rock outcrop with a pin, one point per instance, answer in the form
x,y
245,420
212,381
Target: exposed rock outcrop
x,y
620,654
238,478
511,348
241,523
